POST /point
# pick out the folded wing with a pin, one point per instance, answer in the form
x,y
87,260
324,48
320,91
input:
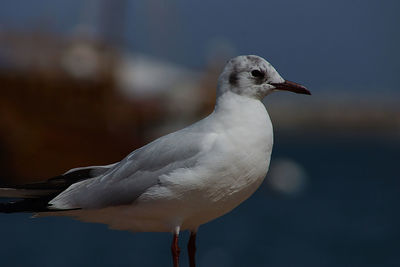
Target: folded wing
x,y
140,170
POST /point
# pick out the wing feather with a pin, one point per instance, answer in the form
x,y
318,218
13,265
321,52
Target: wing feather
x,y
140,170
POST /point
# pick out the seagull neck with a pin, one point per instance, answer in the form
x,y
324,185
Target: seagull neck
x,y
232,109
230,101
249,118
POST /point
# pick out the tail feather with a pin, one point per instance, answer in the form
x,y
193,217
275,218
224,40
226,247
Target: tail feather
x,y
36,196
25,205
24,193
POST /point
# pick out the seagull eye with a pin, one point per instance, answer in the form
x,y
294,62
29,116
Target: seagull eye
x,y
257,74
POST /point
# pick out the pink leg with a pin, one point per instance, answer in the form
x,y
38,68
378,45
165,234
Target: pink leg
x,y
175,249
192,249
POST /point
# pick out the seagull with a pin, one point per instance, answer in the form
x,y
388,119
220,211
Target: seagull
x,y
181,180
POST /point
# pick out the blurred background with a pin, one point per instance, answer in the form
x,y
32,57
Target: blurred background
x,y
86,82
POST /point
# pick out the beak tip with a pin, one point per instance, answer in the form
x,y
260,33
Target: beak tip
x,y
300,89
293,87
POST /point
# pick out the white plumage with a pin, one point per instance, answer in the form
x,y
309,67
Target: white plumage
x,y
186,178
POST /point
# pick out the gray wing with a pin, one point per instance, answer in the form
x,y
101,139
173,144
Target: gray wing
x,y
140,170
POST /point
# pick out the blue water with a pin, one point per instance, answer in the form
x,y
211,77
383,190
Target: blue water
x,y
347,216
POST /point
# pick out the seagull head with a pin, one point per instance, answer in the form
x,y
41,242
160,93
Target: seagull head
x,y
254,77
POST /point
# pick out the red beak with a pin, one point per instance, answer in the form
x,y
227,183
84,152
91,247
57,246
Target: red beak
x,y
292,87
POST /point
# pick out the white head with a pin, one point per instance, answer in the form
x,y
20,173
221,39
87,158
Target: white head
x,y
254,77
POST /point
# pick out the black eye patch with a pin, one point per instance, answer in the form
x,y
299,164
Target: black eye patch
x,y
257,74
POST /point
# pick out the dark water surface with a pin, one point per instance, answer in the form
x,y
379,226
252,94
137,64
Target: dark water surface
x,y
348,215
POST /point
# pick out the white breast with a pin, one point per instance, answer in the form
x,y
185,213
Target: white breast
x,y
238,162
